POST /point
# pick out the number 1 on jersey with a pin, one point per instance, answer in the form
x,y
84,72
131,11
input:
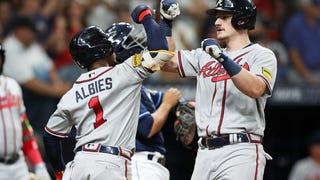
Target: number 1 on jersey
x,y
97,108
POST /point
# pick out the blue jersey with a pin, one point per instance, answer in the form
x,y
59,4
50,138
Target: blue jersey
x,y
150,101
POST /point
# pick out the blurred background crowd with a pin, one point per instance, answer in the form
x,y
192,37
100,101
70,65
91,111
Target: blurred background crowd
x,y
291,28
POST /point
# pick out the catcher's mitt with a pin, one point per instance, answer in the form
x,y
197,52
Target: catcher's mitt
x,y
185,125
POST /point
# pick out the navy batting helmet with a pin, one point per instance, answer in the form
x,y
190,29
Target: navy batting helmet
x,y
126,40
244,12
89,45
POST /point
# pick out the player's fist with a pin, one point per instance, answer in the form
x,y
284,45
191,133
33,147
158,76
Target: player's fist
x,y
140,12
212,47
169,9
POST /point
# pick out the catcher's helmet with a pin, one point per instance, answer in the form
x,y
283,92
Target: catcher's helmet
x,y
244,12
126,40
89,45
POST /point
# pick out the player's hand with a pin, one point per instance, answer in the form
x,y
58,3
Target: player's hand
x,y
41,172
171,97
140,12
169,9
212,47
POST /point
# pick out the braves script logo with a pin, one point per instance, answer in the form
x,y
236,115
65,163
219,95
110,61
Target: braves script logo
x,y
216,71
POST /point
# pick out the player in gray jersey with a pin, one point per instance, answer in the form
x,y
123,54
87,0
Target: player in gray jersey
x,y
103,106
17,138
233,85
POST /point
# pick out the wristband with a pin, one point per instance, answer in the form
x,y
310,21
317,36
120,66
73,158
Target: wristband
x,y
229,65
144,14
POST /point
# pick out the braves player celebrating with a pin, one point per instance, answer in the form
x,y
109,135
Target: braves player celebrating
x,y
233,85
103,105
17,134
148,162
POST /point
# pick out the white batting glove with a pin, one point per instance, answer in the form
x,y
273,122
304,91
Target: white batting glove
x,y
41,172
154,60
169,9
212,47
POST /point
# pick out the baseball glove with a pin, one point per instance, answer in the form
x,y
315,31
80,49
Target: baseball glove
x,y
185,125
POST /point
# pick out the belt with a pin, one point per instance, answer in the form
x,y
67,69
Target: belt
x,y
104,149
227,139
152,156
9,160
160,160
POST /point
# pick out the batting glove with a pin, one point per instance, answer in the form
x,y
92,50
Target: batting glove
x,y
212,47
140,12
169,9
41,172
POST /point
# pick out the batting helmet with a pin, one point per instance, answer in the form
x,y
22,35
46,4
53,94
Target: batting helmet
x,y
126,40
244,12
89,45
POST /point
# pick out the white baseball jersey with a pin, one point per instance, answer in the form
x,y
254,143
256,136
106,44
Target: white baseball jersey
x,y
221,107
11,111
103,105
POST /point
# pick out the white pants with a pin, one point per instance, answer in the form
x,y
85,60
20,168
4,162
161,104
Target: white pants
x,y
15,171
241,161
97,166
145,169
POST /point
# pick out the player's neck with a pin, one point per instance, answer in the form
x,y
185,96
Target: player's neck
x,y
237,43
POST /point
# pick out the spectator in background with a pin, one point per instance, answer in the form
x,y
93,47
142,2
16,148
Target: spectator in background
x,y
5,9
302,39
28,63
40,11
308,168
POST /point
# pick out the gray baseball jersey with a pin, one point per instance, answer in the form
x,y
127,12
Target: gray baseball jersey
x,y
221,107
103,105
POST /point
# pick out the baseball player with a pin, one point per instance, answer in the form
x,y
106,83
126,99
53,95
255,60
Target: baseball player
x,y
148,162
17,139
103,105
233,84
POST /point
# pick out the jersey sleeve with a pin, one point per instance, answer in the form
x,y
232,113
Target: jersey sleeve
x,y
59,123
265,66
188,62
145,122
